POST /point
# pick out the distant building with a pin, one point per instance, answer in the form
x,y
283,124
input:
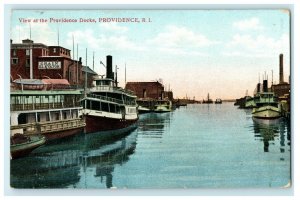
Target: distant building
x,y
90,76
46,62
152,90
281,89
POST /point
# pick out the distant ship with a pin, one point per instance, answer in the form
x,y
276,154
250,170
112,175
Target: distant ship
x,y
107,107
208,101
218,101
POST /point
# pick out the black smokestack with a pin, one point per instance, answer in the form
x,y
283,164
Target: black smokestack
x,y
281,68
258,87
109,72
265,85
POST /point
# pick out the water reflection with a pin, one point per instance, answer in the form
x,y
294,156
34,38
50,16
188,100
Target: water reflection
x,y
268,130
154,124
61,165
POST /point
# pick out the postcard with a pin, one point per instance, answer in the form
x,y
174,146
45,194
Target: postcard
x,y
150,99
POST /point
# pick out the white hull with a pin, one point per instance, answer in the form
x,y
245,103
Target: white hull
x,y
266,112
163,108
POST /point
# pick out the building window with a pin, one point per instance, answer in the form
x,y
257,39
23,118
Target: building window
x,y
14,61
14,52
54,50
27,52
27,62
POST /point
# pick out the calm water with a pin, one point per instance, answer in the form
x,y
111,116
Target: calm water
x,y
198,146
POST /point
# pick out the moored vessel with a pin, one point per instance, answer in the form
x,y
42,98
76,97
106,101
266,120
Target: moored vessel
x,y
21,145
267,105
163,106
51,112
107,107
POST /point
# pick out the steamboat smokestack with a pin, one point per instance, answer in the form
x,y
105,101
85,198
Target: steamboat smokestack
x,y
109,72
265,85
258,88
281,68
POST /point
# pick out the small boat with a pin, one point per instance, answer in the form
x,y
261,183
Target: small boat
x,y
249,102
163,106
145,105
143,109
218,101
21,145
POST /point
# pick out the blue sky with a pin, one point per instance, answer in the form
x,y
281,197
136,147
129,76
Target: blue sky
x,y
194,51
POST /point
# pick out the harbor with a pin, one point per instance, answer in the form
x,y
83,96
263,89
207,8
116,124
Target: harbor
x,y
105,116
164,152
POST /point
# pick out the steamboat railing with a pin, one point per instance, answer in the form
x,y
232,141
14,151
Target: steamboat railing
x,y
41,106
48,127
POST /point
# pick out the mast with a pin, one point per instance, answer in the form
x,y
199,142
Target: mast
x,y
77,64
57,35
93,58
85,83
125,75
116,78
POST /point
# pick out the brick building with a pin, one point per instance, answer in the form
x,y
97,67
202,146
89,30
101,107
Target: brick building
x,y
45,61
153,90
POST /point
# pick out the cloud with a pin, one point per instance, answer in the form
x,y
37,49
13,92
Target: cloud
x,y
180,40
180,37
248,24
40,33
259,46
113,42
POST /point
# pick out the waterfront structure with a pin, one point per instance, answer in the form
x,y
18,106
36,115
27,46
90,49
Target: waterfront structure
x,y
31,60
90,74
282,88
107,107
49,107
150,90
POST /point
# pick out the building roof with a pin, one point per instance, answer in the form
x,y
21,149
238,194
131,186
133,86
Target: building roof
x,y
149,83
88,70
42,81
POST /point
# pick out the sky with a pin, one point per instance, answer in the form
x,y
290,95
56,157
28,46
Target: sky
x,y
194,52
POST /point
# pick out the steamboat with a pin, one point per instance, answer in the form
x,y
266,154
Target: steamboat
x,y
107,107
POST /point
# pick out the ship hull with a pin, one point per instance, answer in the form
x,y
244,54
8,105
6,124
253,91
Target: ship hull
x,y
62,134
266,112
102,124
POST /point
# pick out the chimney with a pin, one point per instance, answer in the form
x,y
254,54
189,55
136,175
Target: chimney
x,y
281,68
109,72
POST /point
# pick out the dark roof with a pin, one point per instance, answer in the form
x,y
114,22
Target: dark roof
x,y
88,70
